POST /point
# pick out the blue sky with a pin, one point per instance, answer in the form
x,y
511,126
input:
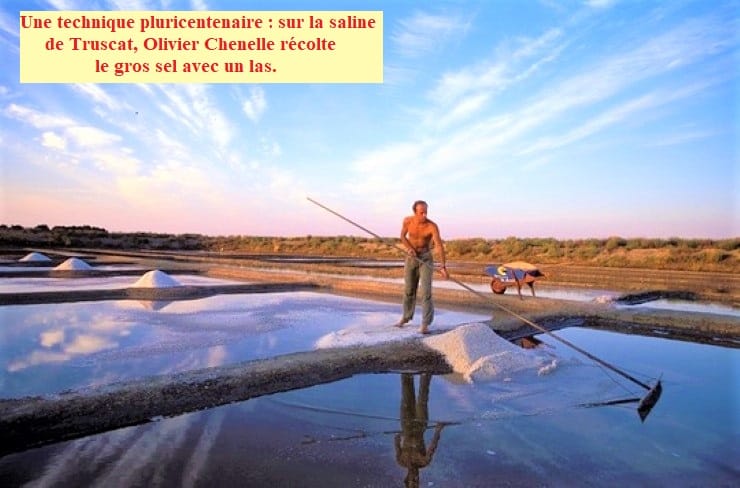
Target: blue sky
x,y
566,119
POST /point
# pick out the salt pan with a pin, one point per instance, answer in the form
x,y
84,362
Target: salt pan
x,y
156,279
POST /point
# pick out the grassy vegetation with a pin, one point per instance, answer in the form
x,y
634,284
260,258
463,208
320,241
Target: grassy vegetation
x,y
674,253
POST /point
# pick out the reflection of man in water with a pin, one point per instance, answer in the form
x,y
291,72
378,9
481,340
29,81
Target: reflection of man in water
x,y
411,451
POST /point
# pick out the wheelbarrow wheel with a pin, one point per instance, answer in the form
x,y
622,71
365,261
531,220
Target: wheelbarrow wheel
x,y
497,287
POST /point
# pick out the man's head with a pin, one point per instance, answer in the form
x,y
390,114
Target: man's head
x,y
420,210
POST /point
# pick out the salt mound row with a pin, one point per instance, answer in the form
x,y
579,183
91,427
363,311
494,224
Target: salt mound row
x,y
35,257
479,354
156,279
73,264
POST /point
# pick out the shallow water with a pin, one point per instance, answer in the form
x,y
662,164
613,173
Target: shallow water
x,y
31,285
55,347
20,269
686,306
524,430
25,269
521,430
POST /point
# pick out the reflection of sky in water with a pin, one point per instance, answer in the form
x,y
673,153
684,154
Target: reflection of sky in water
x,y
48,348
49,267
526,431
684,306
25,269
26,285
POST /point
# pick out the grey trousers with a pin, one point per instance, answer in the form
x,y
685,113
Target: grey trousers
x,y
418,276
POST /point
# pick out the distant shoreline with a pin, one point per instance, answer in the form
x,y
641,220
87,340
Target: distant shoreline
x,y
677,254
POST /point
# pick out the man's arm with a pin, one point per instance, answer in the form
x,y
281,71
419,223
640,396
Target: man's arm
x,y
440,246
404,240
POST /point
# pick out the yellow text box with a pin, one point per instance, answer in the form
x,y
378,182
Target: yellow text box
x,y
201,47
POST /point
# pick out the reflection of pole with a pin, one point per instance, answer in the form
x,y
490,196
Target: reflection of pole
x,y
411,450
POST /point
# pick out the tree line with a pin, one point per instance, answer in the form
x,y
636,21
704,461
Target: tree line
x,y
615,251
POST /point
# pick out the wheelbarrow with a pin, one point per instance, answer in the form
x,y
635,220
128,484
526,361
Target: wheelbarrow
x,y
513,274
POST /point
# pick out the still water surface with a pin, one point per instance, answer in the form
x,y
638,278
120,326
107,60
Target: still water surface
x,y
519,430
358,432
46,349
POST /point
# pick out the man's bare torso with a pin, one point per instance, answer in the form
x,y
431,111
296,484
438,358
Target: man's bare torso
x,y
419,234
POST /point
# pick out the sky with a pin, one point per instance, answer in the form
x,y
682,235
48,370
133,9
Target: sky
x,y
566,119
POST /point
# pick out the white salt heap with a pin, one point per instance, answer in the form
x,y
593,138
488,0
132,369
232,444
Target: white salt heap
x,y
35,257
73,264
603,299
365,332
156,279
479,354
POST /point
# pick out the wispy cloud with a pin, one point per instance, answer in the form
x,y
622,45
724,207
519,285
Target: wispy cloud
x,y
209,118
131,5
392,169
193,107
422,33
79,142
687,44
463,93
616,115
152,190
485,135
9,24
497,74
37,119
255,105
462,104
464,109
66,4
170,145
682,137
600,3
54,141
115,162
87,137
98,95
179,107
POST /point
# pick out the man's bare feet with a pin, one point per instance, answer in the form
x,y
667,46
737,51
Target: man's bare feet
x,y
401,323
424,329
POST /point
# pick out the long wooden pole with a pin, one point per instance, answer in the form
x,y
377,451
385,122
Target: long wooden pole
x,y
505,309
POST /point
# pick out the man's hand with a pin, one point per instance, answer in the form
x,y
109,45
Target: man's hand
x,y
443,270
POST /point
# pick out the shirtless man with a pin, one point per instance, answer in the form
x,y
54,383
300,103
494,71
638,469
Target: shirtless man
x,y
417,235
